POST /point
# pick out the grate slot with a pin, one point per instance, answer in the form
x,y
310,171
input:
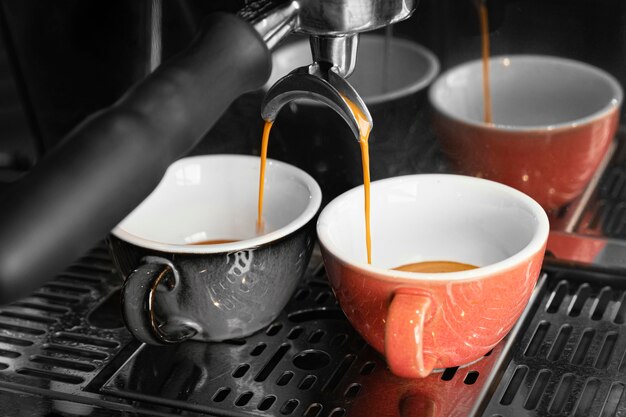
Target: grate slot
x,y
86,340
368,368
562,392
606,351
295,333
557,297
74,351
449,373
578,302
560,342
587,398
307,382
471,378
90,268
221,394
289,407
244,399
316,336
314,410
538,389
274,329
52,376
267,403
258,349
620,316
28,317
341,370
514,385
56,298
537,339
583,346
21,329
352,391
9,354
79,278
15,342
601,303
284,378
612,400
63,363
271,364
78,289
43,307
240,370
337,412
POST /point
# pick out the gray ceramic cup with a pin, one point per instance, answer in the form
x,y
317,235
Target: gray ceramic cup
x,y
176,289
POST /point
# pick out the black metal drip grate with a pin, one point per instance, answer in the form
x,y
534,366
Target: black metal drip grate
x,y
571,359
46,340
68,352
606,213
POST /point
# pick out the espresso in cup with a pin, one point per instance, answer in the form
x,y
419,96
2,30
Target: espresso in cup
x,y
193,263
491,235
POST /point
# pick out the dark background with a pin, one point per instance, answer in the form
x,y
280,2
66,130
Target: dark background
x,y
64,59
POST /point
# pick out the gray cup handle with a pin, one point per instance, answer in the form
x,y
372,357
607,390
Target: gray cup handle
x,y
138,298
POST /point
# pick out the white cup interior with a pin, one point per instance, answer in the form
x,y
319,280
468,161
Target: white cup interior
x,y
408,67
527,92
435,217
215,197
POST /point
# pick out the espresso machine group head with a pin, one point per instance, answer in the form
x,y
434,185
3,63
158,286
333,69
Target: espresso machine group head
x,y
114,159
333,28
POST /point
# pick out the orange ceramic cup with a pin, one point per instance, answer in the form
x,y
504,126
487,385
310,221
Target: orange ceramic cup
x,y
553,122
426,321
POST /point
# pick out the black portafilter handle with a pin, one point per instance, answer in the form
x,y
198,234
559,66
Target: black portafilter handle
x,y
108,164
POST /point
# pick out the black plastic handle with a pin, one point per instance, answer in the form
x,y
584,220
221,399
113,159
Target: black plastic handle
x,y
113,160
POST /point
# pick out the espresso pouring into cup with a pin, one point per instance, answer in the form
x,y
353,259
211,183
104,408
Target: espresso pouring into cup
x,y
553,122
176,289
425,321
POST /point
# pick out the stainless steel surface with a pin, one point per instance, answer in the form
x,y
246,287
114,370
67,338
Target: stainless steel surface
x,y
315,83
339,51
340,17
273,22
333,27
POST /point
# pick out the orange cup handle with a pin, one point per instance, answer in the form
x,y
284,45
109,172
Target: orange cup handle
x,y
404,342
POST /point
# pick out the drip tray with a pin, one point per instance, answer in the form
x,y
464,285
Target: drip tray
x,y
63,353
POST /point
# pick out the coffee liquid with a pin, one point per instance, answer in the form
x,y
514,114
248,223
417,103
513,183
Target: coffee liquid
x,y
364,133
433,267
213,242
484,34
260,224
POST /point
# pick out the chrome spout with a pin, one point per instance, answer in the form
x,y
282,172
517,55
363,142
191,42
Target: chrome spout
x,y
320,84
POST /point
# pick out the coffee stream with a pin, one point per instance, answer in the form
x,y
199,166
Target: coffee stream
x,y
364,132
260,223
484,35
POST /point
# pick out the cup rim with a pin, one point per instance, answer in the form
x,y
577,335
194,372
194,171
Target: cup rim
x,y
315,200
612,105
536,243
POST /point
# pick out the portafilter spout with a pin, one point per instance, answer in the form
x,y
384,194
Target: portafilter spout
x,y
318,84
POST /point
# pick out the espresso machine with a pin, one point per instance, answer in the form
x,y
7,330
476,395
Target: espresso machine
x,y
102,96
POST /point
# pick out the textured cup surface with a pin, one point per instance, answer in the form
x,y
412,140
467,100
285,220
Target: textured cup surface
x,y
553,122
226,290
423,321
